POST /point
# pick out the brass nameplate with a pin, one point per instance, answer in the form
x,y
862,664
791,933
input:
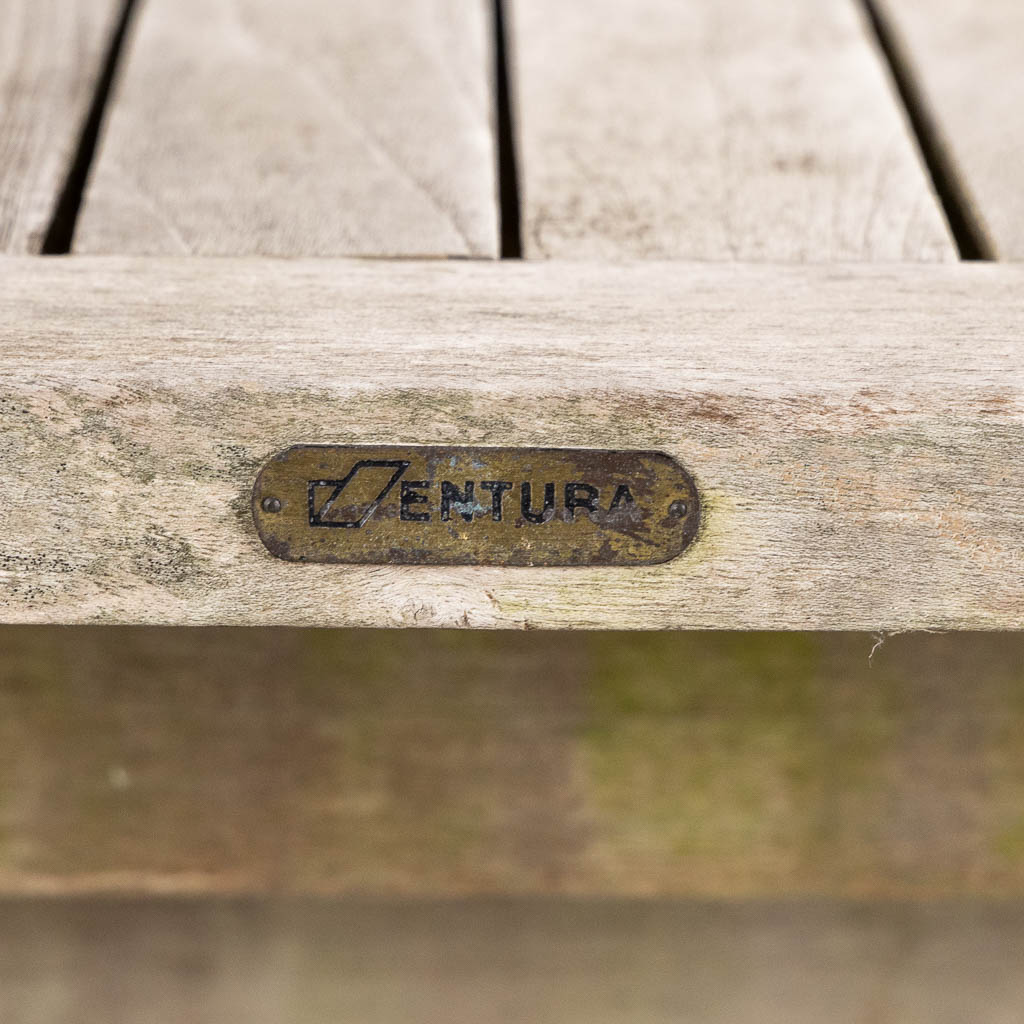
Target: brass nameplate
x,y
441,505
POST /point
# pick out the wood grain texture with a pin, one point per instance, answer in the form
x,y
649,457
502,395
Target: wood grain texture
x,y
436,763
51,55
316,127
714,130
854,432
968,58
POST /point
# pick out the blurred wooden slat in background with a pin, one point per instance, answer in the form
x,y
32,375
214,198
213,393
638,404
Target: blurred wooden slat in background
x,y
444,763
529,961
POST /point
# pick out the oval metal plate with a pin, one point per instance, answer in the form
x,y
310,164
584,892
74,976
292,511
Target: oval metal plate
x,y
443,505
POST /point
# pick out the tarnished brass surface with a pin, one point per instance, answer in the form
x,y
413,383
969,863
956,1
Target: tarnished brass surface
x,y
440,505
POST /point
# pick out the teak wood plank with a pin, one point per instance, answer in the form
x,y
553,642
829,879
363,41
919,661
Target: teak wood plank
x,y
854,434
968,61
51,56
721,129
317,127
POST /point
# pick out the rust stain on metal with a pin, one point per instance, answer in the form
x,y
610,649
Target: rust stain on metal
x,y
453,505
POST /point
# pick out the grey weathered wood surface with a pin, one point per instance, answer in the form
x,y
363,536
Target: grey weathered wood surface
x,y
315,127
727,130
854,432
968,58
51,55
566,763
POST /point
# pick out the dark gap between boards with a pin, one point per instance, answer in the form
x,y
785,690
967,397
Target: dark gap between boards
x,y
508,171
969,235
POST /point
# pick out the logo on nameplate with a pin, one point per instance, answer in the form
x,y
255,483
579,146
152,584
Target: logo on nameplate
x,y
453,505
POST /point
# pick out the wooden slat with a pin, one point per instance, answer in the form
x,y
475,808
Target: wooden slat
x,y
51,55
431,763
854,432
968,60
515,961
315,127
722,129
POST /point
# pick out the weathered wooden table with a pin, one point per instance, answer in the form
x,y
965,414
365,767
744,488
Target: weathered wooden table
x,y
776,242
